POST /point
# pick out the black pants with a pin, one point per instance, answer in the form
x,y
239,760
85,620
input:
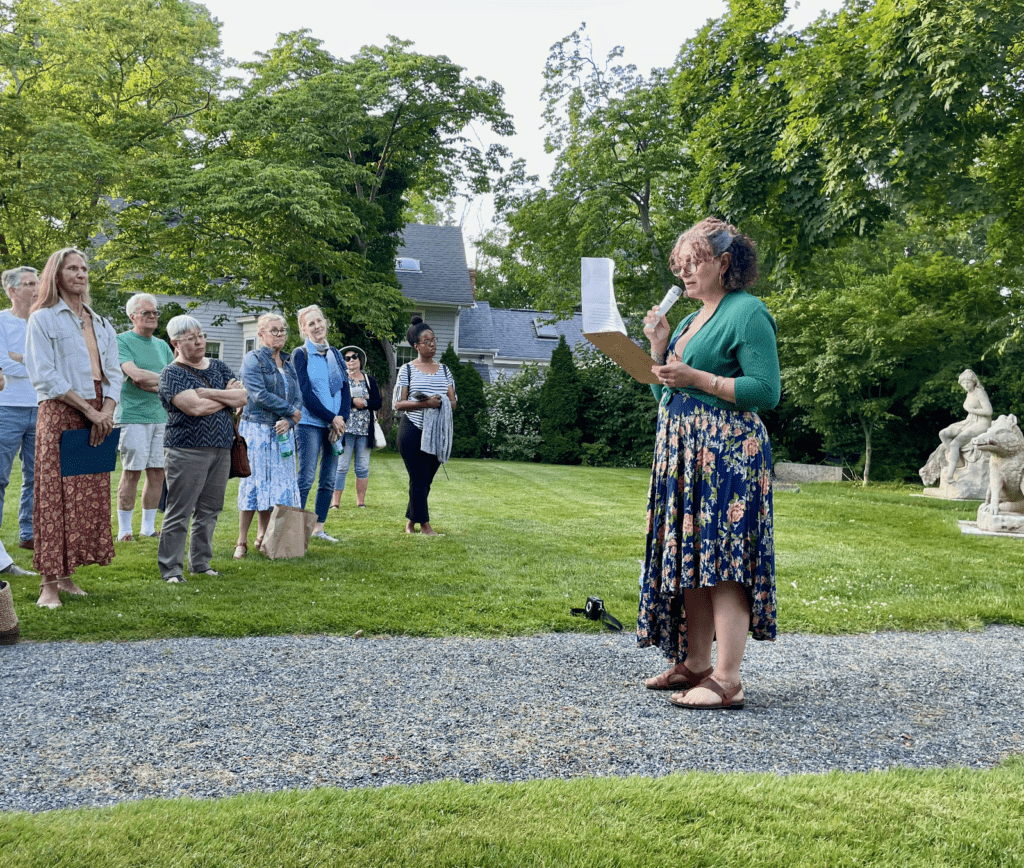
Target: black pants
x,y
421,467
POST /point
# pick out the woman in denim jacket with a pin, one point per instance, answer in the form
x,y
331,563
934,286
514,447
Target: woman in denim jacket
x,y
274,408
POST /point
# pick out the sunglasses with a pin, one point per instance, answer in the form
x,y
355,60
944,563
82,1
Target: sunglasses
x,y
351,356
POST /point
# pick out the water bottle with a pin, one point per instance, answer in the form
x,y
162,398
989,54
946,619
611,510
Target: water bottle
x,y
284,443
339,445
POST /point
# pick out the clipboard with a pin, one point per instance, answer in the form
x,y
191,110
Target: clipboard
x,y
78,458
602,324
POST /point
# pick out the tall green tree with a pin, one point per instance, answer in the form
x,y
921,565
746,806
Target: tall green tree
x,y
94,93
559,409
621,168
295,188
469,438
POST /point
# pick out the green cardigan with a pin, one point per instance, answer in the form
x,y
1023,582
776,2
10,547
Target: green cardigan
x,y
738,341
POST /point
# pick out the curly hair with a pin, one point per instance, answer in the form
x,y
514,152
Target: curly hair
x,y
710,239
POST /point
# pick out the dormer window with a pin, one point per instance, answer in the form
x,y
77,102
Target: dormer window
x,y
545,330
407,263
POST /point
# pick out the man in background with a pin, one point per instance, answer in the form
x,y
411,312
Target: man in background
x,y
141,416
18,401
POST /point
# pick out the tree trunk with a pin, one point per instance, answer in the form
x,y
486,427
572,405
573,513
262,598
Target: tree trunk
x,y
386,416
867,449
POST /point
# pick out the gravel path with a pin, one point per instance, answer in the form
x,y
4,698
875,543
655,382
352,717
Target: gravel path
x,y
98,724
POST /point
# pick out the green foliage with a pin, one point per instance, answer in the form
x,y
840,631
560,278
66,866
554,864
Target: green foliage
x,y
621,169
94,94
877,337
619,414
469,440
513,421
559,409
293,189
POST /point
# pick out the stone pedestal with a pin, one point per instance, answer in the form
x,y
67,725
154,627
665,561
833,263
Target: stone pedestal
x,y
1005,522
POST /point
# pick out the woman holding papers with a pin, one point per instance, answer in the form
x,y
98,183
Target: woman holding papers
x,y
709,571
72,360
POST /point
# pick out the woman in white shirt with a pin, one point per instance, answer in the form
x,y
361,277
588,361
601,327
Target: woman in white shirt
x,y
72,359
423,383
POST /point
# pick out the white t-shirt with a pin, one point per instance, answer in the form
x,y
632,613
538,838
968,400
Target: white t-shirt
x,y
18,391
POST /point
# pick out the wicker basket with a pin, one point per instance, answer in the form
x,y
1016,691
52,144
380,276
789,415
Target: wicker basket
x,y
9,630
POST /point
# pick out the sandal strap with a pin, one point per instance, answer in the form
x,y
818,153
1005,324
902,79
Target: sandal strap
x,y
726,695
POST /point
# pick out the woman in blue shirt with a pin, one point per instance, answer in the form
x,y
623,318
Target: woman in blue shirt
x,y
326,402
273,409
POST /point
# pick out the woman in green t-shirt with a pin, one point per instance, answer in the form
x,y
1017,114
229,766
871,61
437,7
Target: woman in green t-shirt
x,y
709,571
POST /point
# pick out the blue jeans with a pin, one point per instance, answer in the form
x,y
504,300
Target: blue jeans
x,y
359,445
18,431
314,444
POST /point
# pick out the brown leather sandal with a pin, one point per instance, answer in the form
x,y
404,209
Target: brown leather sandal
x,y
727,696
684,682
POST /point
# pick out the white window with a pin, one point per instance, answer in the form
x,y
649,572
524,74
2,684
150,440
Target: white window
x,y
404,354
545,329
213,349
407,263
250,344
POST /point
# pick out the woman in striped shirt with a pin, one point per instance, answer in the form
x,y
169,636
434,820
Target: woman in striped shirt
x,y
425,387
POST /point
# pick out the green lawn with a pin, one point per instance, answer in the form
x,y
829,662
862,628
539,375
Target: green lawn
x,y
522,543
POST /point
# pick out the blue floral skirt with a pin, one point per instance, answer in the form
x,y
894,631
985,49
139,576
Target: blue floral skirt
x,y
274,480
709,519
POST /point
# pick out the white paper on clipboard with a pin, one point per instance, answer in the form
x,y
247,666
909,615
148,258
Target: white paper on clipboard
x,y
602,324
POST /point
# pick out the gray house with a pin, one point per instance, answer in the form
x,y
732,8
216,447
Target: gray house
x,y
498,342
431,267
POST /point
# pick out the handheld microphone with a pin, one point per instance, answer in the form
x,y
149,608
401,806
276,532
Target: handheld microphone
x,y
671,297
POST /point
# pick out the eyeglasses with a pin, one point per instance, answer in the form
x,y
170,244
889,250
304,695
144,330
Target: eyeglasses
x,y
432,341
351,356
148,314
277,332
687,270
193,339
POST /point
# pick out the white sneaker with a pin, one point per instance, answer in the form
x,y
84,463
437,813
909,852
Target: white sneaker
x,y
326,537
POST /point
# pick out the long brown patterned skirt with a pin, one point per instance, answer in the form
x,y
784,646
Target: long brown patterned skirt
x,y
71,517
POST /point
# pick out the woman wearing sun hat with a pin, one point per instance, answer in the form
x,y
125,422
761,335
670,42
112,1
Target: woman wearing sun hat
x,y
359,432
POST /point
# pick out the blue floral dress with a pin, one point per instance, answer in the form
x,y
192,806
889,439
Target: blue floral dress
x,y
709,518
274,479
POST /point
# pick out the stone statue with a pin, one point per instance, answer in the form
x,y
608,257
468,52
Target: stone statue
x,y
1004,444
959,479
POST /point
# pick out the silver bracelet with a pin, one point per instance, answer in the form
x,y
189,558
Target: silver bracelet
x,y
714,383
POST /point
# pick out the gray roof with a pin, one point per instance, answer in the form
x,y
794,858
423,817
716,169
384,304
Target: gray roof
x,y
444,275
511,334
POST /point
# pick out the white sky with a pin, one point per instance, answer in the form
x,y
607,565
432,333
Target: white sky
x,y
508,43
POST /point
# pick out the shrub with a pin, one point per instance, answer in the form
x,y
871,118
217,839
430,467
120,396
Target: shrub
x,y
512,424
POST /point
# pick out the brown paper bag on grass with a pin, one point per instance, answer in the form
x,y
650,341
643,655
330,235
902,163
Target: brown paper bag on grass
x,y
288,532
